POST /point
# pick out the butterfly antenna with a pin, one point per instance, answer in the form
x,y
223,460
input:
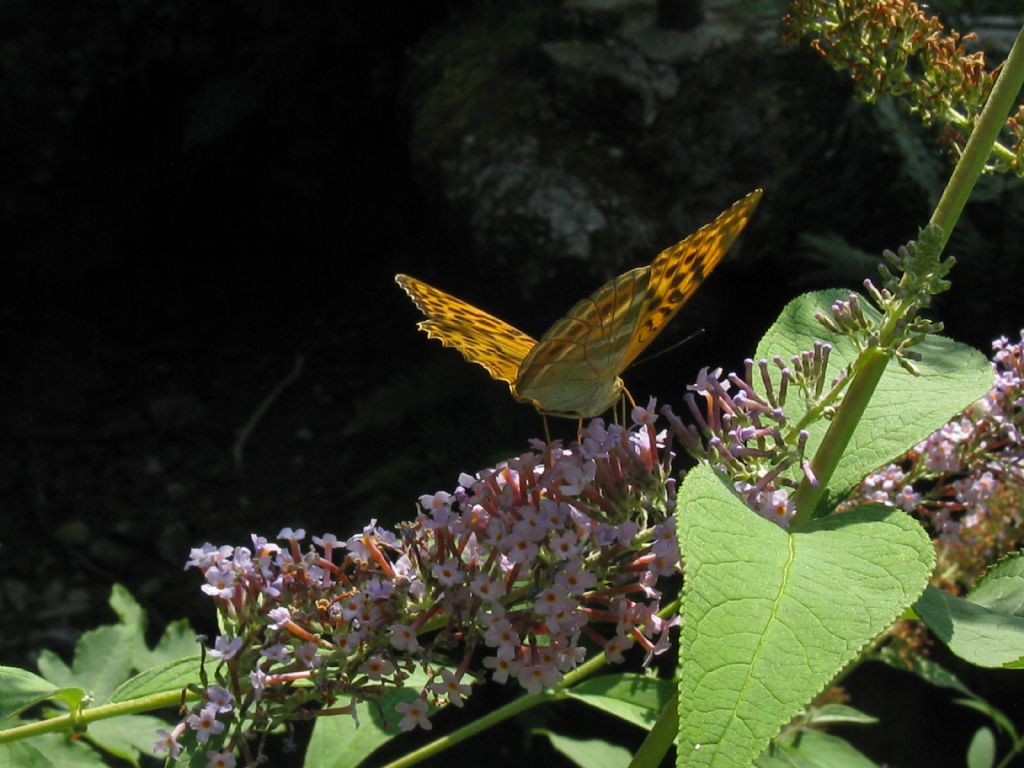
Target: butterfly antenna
x,y
667,349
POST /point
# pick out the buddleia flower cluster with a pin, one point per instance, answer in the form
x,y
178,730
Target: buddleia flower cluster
x,y
895,47
740,425
521,568
966,481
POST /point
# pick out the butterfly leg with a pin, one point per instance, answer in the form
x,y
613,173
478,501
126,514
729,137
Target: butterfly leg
x,y
626,403
629,397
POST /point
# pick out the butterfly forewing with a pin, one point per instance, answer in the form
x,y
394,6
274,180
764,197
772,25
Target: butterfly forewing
x,y
481,338
677,272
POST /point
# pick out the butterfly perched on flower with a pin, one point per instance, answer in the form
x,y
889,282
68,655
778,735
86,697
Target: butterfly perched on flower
x,y
573,371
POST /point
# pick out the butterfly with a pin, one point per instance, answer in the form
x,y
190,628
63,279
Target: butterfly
x,y
573,371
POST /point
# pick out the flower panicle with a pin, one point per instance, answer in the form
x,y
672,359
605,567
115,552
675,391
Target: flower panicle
x,y
519,563
894,47
966,480
741,427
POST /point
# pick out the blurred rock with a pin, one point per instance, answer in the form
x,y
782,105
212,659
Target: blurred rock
x,y
580,140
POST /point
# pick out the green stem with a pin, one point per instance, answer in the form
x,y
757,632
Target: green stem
x,y
870,367
86,716
437,746
1014,751
660,738
871,363
999,149
983,138
513,708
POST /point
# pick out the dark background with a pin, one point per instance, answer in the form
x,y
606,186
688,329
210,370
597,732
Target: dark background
x,y
195,195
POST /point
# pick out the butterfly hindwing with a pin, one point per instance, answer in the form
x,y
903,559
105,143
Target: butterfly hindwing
x,y
678,271
481,338
574,368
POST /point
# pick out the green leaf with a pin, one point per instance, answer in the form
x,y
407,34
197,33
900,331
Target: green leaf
x,y
769,618
588,753
638,699
1001,589
982,751
343,741
24,754
20,689
973,632
49,750
73,697
930,671
103,659
177,642
831,714
810,749
126,737
935,674
979,704
54,669
128,610
104,656
170,676
904,410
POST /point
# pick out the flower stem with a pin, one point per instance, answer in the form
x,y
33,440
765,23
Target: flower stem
x,y
513,708
870,368
89,715
871,363
654,748
437,746
979,147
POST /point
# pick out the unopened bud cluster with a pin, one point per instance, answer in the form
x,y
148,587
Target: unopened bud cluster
x,y
894,322
742,428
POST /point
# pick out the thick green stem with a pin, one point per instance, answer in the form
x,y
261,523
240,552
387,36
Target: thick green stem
x,y
89,715
437,746
499,715
848,415
660,738
983,138
871,363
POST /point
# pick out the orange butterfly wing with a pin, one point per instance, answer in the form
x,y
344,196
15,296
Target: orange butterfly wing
x,y
574,369
481,338
677,272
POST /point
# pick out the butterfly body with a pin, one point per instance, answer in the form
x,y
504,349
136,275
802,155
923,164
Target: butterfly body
x,y
573,371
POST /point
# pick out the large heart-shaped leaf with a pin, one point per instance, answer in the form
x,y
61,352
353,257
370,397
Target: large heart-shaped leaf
x,y
770,617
